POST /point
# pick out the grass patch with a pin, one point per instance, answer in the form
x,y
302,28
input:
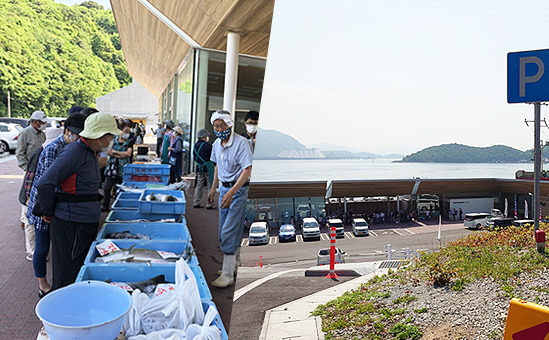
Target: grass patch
x,y
406,299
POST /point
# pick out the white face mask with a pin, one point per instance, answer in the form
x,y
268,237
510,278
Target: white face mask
x,y
43,127
126,135
251,128
71,137
108,146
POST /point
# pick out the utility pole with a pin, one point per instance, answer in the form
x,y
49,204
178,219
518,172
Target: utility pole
x,y
537,161
9,104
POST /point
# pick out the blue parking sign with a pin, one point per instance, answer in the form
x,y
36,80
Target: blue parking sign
x,y
528,76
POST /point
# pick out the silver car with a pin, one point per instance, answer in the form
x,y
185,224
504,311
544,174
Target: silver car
x,y
323,257
259,233
8,136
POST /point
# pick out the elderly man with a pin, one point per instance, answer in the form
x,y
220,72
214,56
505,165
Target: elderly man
x,y
29,140
233,157
69,196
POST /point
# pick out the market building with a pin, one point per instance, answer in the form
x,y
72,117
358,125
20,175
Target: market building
x,y
197,57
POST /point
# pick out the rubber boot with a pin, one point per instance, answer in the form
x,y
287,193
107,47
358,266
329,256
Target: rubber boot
x,y
227,276
236,264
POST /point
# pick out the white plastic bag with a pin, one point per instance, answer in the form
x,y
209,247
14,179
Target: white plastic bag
x,y
186,288
132,323
166,334
207,331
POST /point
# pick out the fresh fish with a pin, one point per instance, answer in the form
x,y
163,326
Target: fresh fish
x,y
137,255
127,235
148,286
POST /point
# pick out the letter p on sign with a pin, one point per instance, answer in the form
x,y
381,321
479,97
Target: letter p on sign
x,y
526,78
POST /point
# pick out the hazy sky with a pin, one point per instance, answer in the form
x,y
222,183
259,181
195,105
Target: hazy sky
x,y
398,76
104,3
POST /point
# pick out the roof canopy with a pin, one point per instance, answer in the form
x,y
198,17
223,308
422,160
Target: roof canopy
x,y
154,52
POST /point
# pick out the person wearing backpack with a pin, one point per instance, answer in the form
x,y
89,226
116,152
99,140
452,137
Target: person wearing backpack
x,y
205,168
73,126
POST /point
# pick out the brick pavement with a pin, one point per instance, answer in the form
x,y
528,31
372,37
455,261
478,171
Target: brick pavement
x,y
18,288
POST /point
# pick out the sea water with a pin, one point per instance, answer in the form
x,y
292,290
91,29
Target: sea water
x,y
368,169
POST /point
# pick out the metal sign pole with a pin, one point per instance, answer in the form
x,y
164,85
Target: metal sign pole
x,y
537,162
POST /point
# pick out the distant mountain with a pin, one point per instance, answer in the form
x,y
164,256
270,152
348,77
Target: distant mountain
x,y
329,146
270,143
459,153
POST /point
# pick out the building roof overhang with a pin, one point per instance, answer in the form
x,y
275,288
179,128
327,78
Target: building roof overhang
x,y
154,52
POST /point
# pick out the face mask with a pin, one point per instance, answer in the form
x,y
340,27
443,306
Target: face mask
x,y
43,127
251,128
108,146
126,135
223,134
71,137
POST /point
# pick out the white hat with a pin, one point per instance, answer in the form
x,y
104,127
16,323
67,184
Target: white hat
x,y
223,115
39,115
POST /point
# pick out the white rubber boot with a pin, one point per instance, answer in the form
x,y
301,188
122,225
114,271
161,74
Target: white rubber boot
x,y
227,275
236,264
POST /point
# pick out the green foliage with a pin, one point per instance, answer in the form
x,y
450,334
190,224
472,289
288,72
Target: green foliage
x,y
405,331
54,56
405,299
458,153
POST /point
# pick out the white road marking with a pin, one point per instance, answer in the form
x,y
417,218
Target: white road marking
x,y
324,237
349,234
408,231
256,283
397,232
245,242
299,238
373,233
273,240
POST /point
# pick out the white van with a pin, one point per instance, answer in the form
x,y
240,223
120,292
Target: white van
x,y
311,229
477,220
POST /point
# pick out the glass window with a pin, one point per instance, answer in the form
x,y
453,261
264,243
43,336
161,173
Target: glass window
x,y
183,107
318,207
286,210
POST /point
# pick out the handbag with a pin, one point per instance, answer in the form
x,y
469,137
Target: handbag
x,y
172,160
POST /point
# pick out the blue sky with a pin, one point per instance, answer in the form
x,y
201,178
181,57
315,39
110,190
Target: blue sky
x,y
398,76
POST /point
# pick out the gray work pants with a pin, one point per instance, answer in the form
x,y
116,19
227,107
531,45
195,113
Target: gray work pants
x,y
202,180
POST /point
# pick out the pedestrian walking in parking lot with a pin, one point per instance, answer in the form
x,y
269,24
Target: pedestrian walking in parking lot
x,y
69,196
233,157
30,139
73,126
205,168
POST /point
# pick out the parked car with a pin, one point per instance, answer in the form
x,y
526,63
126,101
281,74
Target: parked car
x,y
499,223
323,257
21,121
9,133
311,229
477,220
258,233
340,228
523,223
360,227
286,233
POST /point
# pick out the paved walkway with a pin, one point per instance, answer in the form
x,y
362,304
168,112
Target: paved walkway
x,y
18,287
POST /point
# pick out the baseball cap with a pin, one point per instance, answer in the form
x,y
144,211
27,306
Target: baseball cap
x,y
39,115
99,124
75,122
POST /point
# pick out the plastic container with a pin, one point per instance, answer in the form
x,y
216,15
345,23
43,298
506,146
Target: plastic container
x,y
86,310
178,247
121,204
217,321
133,216
129,196
135,273
147,169
156,231
157,207
143,185
158,179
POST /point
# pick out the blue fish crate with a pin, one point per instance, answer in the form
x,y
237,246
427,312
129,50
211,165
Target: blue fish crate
x,y
147,169
144,185
122,204
156,231
128,273
160,207
134,216
217,320
128,195
178,247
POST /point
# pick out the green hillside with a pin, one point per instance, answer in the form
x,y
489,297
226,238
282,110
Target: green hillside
x,y
54,56
270,143
458,153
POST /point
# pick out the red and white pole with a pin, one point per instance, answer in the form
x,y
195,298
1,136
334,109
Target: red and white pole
x,y
332,274
540,241
261,261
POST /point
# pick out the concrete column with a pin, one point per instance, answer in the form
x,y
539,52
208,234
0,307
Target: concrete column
x,y
398,202
345,204
231,73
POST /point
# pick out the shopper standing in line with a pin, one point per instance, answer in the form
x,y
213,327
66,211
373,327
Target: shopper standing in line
x,y
30,139
205,168
176,155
